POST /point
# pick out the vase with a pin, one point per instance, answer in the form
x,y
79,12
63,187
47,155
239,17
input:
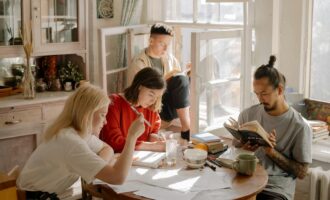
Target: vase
x,y
28,83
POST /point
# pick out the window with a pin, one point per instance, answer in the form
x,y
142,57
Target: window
x,y
320,54
203,11
218,83
179,10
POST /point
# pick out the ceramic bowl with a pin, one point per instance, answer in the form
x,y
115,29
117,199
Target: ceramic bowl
x,y
195,158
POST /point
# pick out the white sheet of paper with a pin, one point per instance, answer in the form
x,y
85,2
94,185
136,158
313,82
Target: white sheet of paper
x,y
158,193
149,191
128,186
181,179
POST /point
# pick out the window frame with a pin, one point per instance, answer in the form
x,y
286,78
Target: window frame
x,y
306,54
155,14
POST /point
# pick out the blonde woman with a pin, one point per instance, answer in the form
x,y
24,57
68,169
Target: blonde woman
x,y
72,149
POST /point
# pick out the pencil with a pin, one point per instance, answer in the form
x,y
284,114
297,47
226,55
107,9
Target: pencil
x,y
138,113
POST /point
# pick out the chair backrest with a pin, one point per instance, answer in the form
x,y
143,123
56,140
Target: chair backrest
x,y
8,189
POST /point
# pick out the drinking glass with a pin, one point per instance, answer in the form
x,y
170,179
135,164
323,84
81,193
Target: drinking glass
x,y
171,152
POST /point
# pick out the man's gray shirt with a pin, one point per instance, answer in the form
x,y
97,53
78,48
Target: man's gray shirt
x,y
293,140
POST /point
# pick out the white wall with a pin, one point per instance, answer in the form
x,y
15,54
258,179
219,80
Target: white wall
x,y
263,32
279,32
290,46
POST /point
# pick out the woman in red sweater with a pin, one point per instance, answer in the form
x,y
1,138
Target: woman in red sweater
x,y
145,94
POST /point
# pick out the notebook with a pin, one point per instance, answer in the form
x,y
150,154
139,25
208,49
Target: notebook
x,y
148,158
205,138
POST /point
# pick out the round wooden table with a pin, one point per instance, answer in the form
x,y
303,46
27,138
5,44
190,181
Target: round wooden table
x,y
244,187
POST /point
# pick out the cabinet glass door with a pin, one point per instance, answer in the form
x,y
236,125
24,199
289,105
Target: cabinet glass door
x,y
10,22
59,21
59,26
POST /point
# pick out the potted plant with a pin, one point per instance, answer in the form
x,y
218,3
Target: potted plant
x,y
70,73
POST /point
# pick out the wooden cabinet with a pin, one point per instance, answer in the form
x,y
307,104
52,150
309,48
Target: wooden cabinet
x,y
21,129
59,26
52,110
14,116
13,14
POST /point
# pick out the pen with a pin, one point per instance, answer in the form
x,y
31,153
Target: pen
x,y
210,166
138,113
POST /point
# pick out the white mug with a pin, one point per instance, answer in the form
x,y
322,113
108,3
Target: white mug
x,y
68,86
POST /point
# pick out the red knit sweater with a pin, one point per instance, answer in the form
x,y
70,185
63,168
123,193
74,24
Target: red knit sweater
x,y
119,118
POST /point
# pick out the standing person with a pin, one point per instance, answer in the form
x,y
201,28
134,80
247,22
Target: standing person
x,y
176,97
71,148
144,94
290,134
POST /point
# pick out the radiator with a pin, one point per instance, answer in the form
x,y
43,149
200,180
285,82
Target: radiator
x,y
319,184
315,186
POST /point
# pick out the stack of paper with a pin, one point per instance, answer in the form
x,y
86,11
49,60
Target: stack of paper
x,y
320,129
148,158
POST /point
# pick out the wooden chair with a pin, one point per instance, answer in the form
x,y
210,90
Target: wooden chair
x,y
8,189
89,191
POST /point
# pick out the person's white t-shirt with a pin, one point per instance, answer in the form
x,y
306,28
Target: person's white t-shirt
x,y
55,165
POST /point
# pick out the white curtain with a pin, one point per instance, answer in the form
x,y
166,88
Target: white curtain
x,y
131,15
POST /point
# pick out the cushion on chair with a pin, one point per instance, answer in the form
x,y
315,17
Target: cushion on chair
x,y
318,110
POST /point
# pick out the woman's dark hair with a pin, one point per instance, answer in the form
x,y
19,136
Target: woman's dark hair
x,y
268,71
149,78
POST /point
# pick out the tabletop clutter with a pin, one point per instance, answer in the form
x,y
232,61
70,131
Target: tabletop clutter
x,y
184,172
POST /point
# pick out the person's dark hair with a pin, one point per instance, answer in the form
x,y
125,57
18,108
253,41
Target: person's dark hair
x,y
275,78
149,78
161,29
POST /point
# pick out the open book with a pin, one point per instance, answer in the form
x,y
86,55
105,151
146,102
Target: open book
x,y
148,158
250,131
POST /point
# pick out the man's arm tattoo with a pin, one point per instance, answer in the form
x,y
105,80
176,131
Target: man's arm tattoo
x,y
288,165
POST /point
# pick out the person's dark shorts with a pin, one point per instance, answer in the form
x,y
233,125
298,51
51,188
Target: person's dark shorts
x,y
267,195
39,195
175,97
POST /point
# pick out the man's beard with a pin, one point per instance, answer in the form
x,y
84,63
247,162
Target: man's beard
x,y
267,109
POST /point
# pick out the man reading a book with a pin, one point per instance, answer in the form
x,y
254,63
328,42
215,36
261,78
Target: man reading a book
x,y
288,132
176,97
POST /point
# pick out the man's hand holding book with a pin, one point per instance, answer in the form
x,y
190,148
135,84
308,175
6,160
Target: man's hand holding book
x,y
251,135
253,147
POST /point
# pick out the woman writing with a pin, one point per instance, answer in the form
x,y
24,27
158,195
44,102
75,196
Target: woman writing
x,y
72,149
145,95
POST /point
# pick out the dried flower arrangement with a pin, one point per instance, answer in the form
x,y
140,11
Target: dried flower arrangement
x,y
28,78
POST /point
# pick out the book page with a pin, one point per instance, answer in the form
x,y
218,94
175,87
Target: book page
x,y
232,126
252,128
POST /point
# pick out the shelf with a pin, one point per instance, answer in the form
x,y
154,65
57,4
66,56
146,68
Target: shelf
x,y
18,100
60,17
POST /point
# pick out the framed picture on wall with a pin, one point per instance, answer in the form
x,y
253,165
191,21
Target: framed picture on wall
x,y
104,9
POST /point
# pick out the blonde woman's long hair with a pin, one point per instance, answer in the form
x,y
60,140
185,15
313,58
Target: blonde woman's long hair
x,y
78,111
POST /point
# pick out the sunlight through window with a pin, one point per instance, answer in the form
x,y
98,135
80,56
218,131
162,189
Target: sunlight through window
x,y
166,174
185,185
141,171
